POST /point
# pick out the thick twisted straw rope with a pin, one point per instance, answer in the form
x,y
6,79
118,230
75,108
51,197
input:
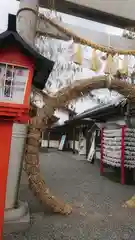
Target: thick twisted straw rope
x,y
83,41
37,123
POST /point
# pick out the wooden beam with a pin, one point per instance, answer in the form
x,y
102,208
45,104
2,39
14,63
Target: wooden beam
x,y
119,8
118,13
102,38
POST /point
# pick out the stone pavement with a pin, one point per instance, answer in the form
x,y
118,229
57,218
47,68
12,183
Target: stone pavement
x,y
96,201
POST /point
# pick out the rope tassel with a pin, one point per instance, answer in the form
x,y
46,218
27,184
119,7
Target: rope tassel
x,y
124,65
95,63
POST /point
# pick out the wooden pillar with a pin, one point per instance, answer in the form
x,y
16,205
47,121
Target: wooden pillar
x,y
27,20
94,157
87,142
123,156
5,141
101,152
129,172
48,145
74,138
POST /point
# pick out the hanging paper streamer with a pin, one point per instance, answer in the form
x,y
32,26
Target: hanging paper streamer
x,y
115,64
108,65
124,65
95,63
68,50
111,65
78,55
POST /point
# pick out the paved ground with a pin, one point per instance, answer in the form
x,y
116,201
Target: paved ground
x,y
98,214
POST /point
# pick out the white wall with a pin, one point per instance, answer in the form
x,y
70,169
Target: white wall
x,y
76,145
52,143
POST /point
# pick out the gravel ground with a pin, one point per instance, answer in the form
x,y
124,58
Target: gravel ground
x,y
96,201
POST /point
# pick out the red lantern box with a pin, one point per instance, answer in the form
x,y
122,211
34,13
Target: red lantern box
x,y
20,67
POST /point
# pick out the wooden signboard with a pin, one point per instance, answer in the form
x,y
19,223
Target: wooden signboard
x,y
62,142
92,148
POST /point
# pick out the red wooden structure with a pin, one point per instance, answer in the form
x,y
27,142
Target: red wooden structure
x,y
19,68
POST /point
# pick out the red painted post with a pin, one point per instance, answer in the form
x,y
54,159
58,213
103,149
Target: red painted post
x,y
5,141
101,151
123,155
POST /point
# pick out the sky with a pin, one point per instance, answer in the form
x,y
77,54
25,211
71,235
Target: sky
x,y
7,6
11,6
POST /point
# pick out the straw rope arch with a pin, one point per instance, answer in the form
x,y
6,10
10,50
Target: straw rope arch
x,y
40,121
